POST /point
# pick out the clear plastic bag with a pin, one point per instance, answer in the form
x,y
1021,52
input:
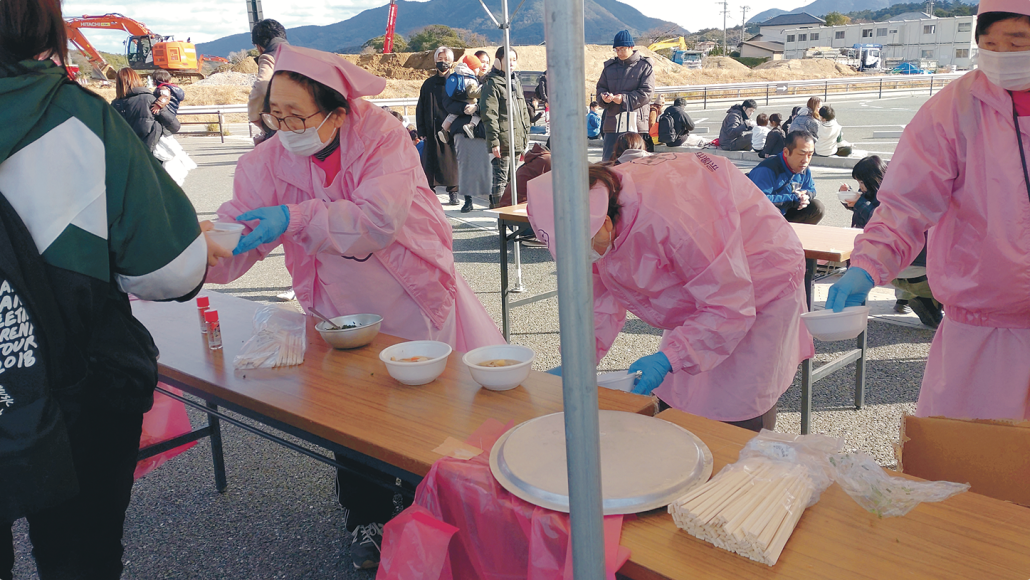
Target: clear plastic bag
x,y
869,485
279,340
810,451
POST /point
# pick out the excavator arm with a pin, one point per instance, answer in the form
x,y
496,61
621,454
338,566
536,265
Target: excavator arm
x,y
104,22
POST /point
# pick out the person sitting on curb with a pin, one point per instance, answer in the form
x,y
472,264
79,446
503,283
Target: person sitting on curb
x,y
776,138
675,125
735,134
594,121
831,135
787,181
760,133
628,146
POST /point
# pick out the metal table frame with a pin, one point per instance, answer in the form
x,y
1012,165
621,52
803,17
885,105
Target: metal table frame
x,y
210,406
809,375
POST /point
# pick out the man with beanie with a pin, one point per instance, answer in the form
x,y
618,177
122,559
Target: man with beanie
x,y
624,91
438,158
266,36
735,134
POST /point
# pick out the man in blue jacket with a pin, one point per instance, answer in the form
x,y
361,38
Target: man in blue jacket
x,y
786,180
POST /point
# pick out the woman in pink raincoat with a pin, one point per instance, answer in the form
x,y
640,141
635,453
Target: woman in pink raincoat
x,y
960,171
340,187
687,243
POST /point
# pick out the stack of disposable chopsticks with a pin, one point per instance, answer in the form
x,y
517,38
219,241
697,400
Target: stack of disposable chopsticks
x,y
750,508
291,349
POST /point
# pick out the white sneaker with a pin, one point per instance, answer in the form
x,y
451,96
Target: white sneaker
x,y
444,137
287,296
469,130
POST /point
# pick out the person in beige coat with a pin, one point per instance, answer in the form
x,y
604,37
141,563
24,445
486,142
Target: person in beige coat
x,y
266,36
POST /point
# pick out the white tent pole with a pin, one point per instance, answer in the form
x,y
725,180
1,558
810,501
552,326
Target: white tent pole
x,y
513,155
564,33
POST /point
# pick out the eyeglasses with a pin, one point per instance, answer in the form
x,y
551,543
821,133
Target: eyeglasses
x,y
293,123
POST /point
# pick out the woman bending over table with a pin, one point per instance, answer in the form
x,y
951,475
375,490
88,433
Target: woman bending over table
x,y
340,187
688,244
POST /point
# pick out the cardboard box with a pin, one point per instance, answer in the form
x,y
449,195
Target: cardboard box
x,y
992,456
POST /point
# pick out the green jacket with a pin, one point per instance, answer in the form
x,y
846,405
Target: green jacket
x,y
106,219
493,107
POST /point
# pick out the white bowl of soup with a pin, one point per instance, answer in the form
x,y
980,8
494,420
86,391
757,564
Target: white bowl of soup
x,y
416,362
499,367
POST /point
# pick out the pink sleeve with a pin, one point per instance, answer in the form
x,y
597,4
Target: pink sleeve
x,y
609,317
253,187
711,261
375,209
915,193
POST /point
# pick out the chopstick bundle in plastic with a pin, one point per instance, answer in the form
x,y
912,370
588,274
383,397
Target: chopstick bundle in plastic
x,y
750,509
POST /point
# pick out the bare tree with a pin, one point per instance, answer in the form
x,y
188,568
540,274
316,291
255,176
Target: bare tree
x,y
470,38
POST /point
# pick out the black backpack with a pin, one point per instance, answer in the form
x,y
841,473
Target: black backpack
x,y
36,468
666,128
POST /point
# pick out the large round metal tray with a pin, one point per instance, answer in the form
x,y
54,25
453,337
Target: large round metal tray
x,y
646,463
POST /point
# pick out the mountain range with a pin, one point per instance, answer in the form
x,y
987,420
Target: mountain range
x,y
821,8
603,18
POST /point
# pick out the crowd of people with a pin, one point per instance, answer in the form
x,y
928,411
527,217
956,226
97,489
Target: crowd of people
x,y
337,184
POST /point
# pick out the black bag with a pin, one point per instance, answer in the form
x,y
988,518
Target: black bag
x,y
667,128
36,467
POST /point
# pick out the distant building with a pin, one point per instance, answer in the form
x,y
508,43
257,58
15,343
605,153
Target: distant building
x,y
706,46
910,16
773,30
924,40
761,49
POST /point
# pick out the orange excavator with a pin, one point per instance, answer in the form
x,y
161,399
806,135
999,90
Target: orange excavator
x,y
145,50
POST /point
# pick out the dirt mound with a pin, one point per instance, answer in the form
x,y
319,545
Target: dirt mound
x,y
725,63
247,65
806,68
390,66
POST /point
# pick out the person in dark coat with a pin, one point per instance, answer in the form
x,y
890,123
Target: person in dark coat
x,y
776,139
133,102
735,134
473,157
682,123
625,90
438,160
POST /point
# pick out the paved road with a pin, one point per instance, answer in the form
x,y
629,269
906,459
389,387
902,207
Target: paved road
x,y
279,519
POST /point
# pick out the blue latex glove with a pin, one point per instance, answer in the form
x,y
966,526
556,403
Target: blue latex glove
x,y
556,371
851,290
273,223
653,369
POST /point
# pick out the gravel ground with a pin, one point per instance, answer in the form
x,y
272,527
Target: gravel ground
x,y
229,78
279,517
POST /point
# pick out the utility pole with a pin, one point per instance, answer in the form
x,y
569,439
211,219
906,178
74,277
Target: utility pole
x,y
725,11
743,23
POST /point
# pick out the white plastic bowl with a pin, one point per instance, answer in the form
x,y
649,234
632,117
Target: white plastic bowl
x,y
226,234
499,378
849,195
416,373
829,325
618,380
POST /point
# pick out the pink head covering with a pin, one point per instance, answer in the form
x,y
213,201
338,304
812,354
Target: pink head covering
x,y
1014,6
330,69
540,193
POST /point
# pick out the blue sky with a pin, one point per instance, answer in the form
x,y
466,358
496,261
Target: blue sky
x,y
204,20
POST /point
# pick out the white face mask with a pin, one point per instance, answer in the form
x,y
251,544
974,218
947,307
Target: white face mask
x,y
594,256
1008,70
305,143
